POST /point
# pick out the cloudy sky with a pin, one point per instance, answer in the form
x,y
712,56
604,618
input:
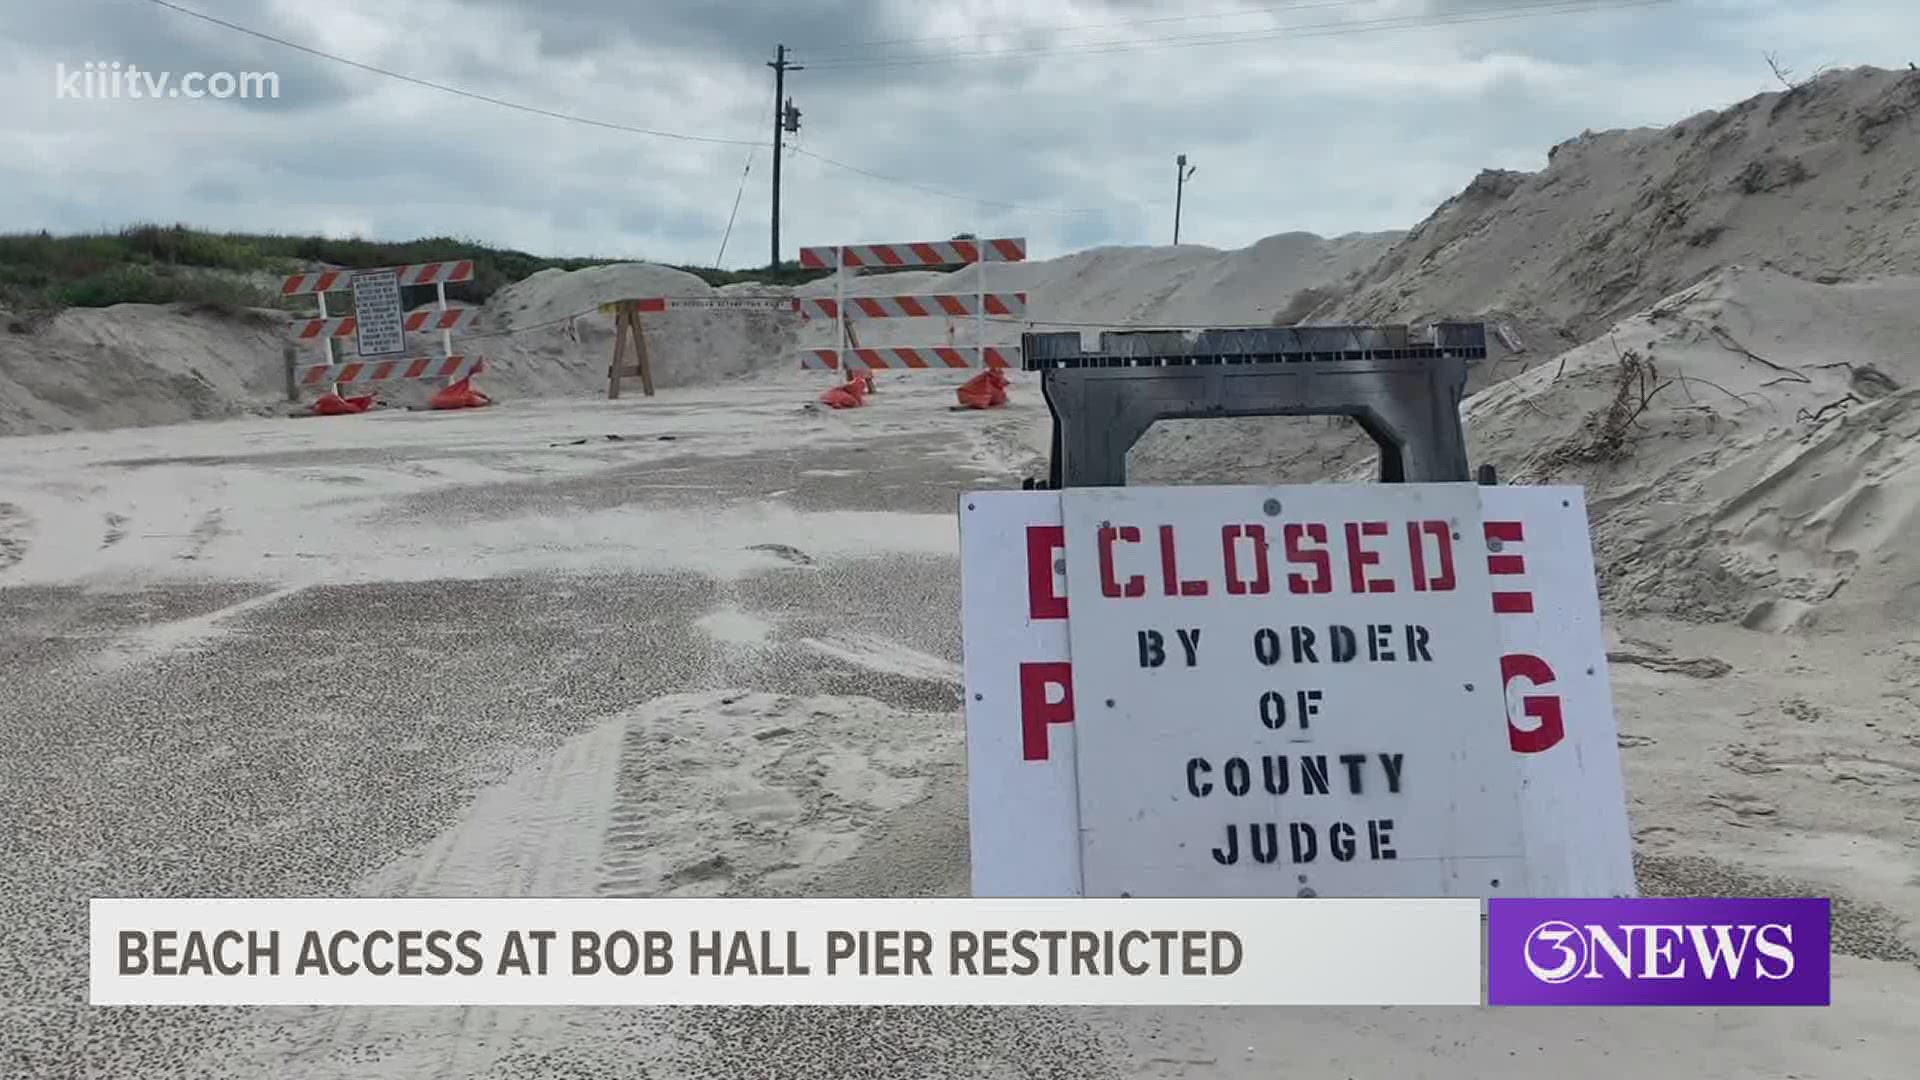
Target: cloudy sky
x,y
1058,120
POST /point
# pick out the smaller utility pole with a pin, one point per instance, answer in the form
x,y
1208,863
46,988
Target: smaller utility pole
x,y
785,118
1182,172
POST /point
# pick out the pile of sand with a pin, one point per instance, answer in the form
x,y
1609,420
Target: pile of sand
x,y
543,351
552,338
1189,285
139,364
1744,437
1822,182
542,347
1750,448
544,336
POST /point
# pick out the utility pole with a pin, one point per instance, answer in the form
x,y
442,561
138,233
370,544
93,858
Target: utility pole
x,y
1179,189
785,118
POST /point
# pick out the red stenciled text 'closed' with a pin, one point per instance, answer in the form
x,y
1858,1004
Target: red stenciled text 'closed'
x,y
1303,558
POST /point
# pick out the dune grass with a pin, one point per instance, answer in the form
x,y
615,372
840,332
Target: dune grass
x,y
159,264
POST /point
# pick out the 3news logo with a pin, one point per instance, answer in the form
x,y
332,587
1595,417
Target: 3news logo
x,y
1658,952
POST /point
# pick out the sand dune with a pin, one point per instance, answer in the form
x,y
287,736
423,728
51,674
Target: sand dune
x,y
1819,182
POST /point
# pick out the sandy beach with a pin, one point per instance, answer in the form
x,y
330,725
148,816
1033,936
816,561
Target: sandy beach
x,y
414,655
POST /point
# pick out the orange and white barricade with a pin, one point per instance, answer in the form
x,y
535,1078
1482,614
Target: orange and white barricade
x,y
980,305
333,369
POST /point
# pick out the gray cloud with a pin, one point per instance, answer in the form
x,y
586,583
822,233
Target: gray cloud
x,y
1330,132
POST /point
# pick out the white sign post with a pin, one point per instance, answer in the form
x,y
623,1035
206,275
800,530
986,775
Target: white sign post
x,y
1284,697
378,315
1028,708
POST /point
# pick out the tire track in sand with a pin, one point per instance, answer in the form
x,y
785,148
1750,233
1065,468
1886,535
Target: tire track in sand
x,y
538,833
720,793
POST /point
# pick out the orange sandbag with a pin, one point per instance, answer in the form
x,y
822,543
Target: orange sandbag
x,y
460,395
851,395
987,390
332,404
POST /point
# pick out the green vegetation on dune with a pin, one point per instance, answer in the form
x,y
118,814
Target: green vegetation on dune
x,y
158,264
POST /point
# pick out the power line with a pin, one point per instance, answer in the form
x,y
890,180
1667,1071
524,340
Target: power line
x,y
571,118
444,88
1405,22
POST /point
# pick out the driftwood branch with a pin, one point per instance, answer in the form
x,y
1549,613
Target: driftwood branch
x,y
1732,345
1741,398
1820,414
1661,311
1781,71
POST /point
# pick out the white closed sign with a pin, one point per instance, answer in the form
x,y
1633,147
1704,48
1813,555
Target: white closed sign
x,y
1288,693
1265,692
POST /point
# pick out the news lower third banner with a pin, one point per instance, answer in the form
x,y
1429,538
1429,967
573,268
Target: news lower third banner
x,y
785,952
1625,952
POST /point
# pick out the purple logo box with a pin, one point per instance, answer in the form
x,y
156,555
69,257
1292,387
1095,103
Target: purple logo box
x,y
1658,952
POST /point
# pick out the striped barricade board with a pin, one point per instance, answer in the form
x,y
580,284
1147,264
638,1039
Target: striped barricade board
x,y
324,281
929,254
952,305
951,357
424,320
414,367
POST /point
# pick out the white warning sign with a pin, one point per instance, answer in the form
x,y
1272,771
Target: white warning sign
x,y
1288,693
378,317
